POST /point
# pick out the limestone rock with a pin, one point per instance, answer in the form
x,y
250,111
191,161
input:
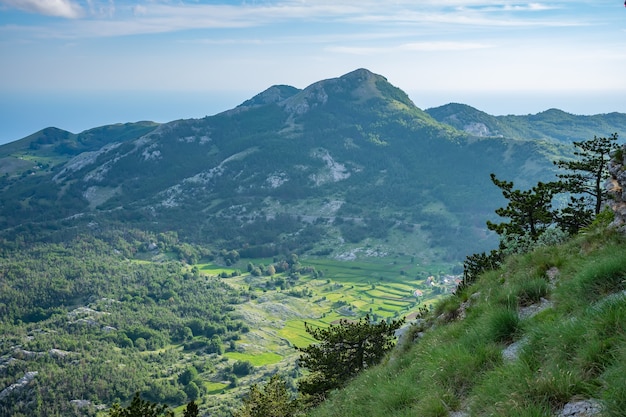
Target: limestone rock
x,y
19,385
616,187
586,408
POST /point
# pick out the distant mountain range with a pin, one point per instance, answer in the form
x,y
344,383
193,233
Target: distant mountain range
x,y
343,164
552,124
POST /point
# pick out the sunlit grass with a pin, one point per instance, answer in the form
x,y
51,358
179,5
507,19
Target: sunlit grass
x,y
214,387
295,332
256,359
574,350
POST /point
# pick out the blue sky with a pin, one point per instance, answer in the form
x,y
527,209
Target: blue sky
x,y
77,64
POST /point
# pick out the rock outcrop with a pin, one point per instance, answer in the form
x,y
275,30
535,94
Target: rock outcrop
x,y
616,187
19,385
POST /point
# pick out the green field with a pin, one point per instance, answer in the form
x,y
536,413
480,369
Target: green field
x,y
214,387
256,359
381,287
336,290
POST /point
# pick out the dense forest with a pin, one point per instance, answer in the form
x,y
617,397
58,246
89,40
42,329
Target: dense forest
x,y
97,323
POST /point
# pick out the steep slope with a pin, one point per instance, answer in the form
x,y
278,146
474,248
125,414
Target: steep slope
x,y
543,336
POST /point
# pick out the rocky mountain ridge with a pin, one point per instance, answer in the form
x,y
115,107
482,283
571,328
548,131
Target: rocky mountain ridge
x,y
551,124
264,174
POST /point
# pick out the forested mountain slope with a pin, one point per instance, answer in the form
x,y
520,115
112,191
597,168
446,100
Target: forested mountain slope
x,y
342,163
552,124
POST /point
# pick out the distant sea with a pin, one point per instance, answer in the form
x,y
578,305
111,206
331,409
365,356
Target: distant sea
x,y
22,114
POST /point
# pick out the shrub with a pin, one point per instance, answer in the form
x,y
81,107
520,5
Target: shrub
x,y
242,368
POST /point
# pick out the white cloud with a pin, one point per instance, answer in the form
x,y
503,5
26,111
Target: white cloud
x,y
512,7
140,9
255,13
451,45
60,8
157,16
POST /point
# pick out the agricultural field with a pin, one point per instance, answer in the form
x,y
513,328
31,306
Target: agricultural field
x,y
331,290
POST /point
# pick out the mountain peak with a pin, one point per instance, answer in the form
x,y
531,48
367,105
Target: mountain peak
x,y
362,74
359,85
274,94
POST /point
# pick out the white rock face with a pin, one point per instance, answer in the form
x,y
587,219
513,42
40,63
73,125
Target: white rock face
x,y
334,171
587,408
301,103
82,160
477,129
277,179
19,385
170,196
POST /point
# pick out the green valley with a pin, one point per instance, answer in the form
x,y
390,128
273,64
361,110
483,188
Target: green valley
x,y
185,261
91,302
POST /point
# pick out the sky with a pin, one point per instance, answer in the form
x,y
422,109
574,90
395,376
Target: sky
x,y
77,64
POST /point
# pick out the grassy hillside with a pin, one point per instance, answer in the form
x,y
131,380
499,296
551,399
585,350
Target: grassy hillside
x,y
545,332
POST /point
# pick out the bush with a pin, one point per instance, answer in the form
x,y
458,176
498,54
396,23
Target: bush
x,y
192,391
188,375
242,368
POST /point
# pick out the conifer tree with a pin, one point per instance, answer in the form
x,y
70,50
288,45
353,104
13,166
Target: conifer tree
x,y
344,350
141,408
271,400
191,410
530,211
587,173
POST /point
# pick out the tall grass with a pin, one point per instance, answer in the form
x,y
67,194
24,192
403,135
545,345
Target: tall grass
x,y
575,350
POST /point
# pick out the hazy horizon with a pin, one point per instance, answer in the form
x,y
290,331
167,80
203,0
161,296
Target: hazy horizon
x,y
22,114
71,58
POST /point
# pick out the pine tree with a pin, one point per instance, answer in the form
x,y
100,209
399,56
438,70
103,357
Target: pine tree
x,y
530,211
271,400
344,350
588,172
191,410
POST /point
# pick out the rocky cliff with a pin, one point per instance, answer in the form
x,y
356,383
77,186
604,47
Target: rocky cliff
x,y
616,186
